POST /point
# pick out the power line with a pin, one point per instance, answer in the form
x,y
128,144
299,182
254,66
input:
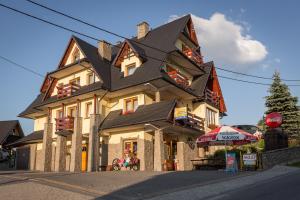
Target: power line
x,y
123,37
254,76
21,66
94,26
93,38
48,22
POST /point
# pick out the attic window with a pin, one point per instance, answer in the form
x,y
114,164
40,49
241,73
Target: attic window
x,y
130,105
130,69
76,55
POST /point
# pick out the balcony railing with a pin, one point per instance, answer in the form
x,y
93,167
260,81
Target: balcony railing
x,y
179,78
64,123
193,55
212,97
195,121
67,90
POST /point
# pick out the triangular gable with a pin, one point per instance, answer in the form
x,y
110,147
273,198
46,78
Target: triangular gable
x,y
190,30
215,86
72,48
126,49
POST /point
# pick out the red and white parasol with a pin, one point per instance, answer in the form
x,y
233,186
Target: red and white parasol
x,y
226,135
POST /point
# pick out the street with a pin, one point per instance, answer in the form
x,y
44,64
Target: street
x,y
283,187
277,183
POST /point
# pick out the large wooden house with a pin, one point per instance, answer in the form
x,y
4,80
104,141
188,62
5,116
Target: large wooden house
x,y
151,95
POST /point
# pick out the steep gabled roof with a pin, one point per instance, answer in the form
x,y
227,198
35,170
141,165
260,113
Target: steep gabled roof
x,y
34,137
144,114
200,82
162,38
100,65
6,128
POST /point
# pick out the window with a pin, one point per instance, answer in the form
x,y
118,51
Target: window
x,y
129,69
72,112
76,55
210,117
88,110
130,105
90,78
59,114
130,146
75,81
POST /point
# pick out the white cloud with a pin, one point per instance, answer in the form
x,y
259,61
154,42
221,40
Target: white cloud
x,y
226,42
277,60
243,10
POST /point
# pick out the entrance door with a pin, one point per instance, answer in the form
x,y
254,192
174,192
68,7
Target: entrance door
x,y
171,153
84,158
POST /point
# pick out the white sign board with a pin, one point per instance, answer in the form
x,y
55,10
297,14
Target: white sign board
x,y
230,136
249,159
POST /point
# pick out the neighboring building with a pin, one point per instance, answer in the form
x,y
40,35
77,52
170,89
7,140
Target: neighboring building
x,y
254,130
101,101
10,131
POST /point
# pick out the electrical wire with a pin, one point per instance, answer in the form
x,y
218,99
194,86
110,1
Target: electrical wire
x,y
123,37
22,67
93,38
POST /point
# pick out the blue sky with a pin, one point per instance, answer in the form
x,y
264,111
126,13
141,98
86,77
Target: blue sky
x,y
272,25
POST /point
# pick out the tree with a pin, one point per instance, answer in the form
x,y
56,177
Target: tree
x,y
280,100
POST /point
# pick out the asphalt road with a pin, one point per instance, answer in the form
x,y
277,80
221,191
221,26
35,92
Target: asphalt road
x,y
285,187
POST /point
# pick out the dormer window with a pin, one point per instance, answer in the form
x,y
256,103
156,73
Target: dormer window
x,y
130,69
76,55
90,78
130,105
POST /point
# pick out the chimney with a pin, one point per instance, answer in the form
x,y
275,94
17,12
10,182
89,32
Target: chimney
x,y
104,50
142,30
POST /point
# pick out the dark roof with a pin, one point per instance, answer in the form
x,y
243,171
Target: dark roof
x,y
162,38
34,137
155,112
39,99
6,128
199,83
101,66
31,108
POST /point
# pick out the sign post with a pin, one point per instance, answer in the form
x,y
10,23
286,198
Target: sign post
x,y
231,162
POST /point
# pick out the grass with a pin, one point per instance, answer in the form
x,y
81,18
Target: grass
x,y
296,164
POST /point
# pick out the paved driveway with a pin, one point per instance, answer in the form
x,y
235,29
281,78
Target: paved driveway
x,y
125,184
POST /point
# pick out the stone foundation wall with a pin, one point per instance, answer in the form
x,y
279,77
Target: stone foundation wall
x,y
114,151
280,156
185,154
39,164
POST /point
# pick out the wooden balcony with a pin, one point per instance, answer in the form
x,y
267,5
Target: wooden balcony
x,y
64,124
193,55
195,121
212,97
179,78
67,90
190,120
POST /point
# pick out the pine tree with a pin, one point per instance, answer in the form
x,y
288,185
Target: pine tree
x,y
280,100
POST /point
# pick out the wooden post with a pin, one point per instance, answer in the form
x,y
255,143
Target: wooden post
x,y
63,110
78,110
95,104
49,114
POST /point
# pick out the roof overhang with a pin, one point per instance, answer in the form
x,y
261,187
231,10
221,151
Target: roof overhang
x,y
173,129
70,69
188,65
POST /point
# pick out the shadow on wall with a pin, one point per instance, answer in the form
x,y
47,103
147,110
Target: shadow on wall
x,y
165,183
